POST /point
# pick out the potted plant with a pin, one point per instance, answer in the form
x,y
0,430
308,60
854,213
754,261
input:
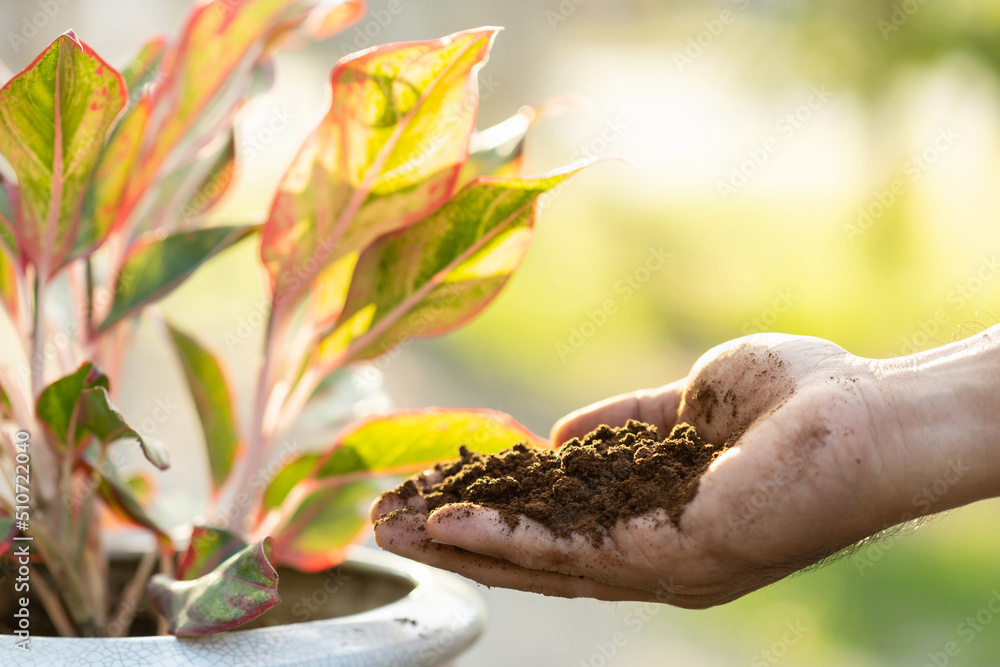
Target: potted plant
x,y
395,221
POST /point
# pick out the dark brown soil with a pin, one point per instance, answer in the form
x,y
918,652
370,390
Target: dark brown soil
x,y
586,486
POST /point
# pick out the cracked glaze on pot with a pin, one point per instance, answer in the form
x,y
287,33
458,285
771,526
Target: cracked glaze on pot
x,y
439,619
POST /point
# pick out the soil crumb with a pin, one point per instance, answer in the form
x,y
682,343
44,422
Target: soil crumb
x,y
585,486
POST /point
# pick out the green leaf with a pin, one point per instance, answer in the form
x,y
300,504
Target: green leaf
x,y
57,402
287,479
388,152
323,526
240,589
80,402
54,117
436,275
155,267
98,416
213,401
207,549
409,441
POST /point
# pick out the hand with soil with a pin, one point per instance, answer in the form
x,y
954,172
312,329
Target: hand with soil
x,y
812,449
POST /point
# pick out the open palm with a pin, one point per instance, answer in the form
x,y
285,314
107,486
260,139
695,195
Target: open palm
x,y
803,477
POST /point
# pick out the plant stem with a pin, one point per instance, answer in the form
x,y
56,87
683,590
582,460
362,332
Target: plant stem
x,y
257,439
121,622
53,607
63,572
89,310
38,337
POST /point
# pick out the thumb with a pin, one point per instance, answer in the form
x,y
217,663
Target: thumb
x,y
654,406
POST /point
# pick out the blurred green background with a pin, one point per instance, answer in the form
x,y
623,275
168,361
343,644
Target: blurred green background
x,y
821,168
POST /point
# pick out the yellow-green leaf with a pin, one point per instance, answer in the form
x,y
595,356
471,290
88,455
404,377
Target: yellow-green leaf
x,y
438,274
388,152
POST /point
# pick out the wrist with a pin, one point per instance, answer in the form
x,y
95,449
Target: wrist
x,y
944,430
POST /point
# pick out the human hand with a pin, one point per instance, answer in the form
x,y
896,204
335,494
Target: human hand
x,y
825,448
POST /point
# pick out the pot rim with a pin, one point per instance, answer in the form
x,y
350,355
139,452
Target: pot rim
x,y
439,619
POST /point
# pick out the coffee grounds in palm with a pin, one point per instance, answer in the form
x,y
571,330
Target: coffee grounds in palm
x,y
586,486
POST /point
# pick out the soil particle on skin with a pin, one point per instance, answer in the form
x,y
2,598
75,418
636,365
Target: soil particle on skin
x,y
586,486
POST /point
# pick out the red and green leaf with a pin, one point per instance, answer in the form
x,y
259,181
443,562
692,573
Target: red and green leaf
x,y
54,117
240,589
117,162
388,153
8,529
216,182
323,526
438,274
206,75
287,479
158,265
212,399
117,493
8,214
78,405
97,415
315,514
145,66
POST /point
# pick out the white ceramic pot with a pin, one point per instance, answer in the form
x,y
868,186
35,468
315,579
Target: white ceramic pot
x,y
437,620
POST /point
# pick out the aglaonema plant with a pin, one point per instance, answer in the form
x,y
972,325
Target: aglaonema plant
x,y
395,221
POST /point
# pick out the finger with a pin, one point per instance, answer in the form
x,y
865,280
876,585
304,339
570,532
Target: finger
x,y
653,406
428,478
386,503
405,534
407,494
